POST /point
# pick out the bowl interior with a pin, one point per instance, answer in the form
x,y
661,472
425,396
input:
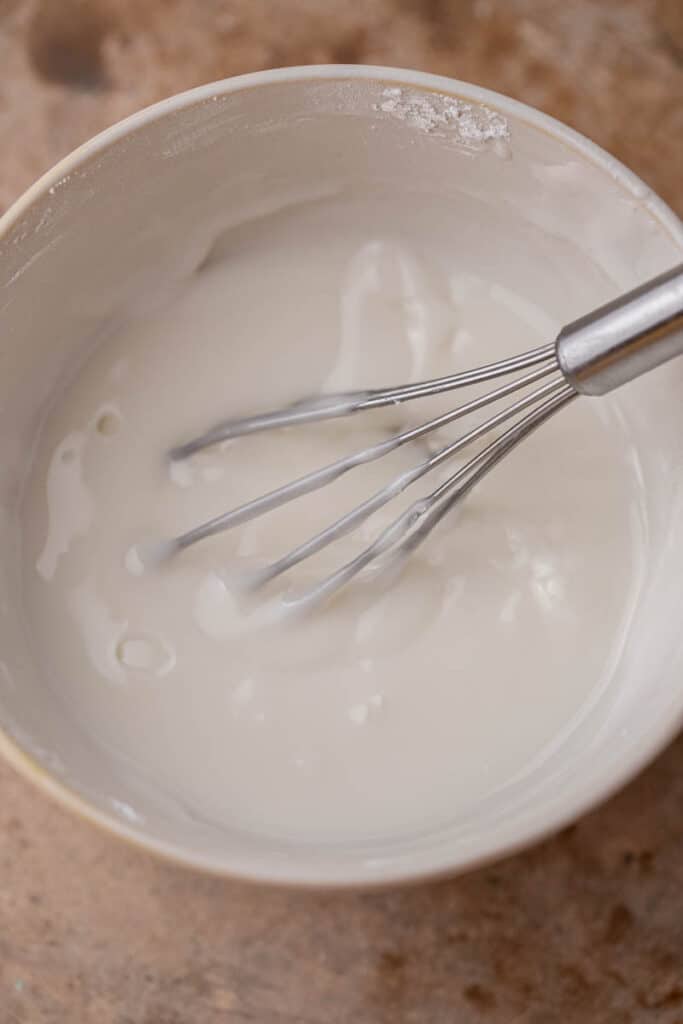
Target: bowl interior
x,y
111,232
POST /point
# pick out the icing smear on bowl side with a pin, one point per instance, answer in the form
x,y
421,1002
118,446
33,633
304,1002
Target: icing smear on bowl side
x,y
472,125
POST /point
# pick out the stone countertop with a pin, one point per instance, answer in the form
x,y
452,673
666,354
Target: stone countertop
x,y
586,928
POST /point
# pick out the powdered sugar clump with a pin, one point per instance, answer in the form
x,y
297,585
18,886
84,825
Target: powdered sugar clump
x,y
473,126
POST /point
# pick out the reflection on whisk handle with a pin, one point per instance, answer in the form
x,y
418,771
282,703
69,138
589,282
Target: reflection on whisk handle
x,y
624,339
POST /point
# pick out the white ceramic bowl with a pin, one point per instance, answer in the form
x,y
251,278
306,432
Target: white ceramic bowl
x,y
129,211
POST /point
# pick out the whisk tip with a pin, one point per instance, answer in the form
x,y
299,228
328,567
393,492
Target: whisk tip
x,y
149,554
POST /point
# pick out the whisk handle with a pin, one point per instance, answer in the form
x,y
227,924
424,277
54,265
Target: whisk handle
x,y
624,339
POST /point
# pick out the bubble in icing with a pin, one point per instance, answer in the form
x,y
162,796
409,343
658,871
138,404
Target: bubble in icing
x,y
107,424
141,652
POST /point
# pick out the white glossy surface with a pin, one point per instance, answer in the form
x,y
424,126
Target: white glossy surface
x,y
396,708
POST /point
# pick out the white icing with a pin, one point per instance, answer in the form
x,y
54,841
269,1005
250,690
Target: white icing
x,y
396,707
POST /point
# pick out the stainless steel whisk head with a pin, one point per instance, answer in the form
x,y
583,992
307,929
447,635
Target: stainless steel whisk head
x,y
591,356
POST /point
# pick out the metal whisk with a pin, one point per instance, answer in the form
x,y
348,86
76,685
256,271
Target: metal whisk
x,y
591,356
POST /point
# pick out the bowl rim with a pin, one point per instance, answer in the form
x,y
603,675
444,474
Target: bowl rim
x,y
404,867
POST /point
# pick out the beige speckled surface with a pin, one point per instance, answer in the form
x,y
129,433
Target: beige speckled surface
x,y
584,929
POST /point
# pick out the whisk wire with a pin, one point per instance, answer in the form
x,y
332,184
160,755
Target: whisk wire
x,y
351,520
319,478
412,527
328,407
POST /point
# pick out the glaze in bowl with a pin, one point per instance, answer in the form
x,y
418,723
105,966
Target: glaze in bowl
x,y
116,225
